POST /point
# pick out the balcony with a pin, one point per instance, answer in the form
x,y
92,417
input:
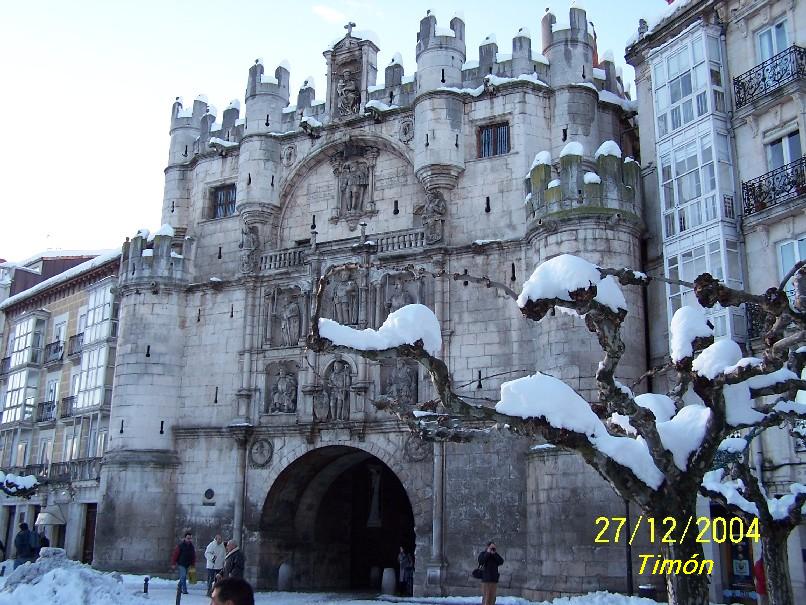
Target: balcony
x,y
46,411
74,344
774,73
81,469
776,187
66,407
54,352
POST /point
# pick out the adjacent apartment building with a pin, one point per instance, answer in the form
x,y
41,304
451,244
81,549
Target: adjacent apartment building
x,y
56,361
722,94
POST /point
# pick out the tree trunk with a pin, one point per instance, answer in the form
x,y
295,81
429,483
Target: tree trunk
x,y
684,588
776,566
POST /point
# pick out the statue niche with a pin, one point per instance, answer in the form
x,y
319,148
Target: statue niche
x,y
401,383
338,380
354,169
285,317
343,298
281,391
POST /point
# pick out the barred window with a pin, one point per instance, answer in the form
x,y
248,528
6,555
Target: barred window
x,y
224,201
493,140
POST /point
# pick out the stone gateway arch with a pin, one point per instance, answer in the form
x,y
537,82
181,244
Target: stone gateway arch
x,y
333,519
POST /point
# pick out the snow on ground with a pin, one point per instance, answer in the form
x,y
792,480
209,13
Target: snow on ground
x,y
54,579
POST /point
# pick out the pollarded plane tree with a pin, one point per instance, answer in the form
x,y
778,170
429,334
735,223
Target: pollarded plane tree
x,y
735,484
653,449
20,486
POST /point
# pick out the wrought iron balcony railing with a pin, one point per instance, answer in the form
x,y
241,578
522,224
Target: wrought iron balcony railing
x,y
66,408
780,185
785,67
54,351
45,411
75,343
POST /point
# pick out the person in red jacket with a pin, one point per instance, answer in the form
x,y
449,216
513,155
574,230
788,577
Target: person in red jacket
x,y
761,581
183,557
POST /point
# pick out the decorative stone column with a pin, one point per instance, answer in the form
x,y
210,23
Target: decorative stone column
x,y
437,567
241,435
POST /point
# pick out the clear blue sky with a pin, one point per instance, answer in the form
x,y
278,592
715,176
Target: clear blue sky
x,y
86,89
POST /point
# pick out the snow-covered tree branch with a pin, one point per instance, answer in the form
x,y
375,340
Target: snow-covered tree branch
x,y
654,449
21,486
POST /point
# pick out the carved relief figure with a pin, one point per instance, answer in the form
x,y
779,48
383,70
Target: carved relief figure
x,y
345,299
397,298
250,243
433,213
402,383
321,406
289,323
353,183
347,90
339,390
284,392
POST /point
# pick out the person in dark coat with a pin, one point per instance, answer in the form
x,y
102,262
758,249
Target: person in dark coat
x,y
489,560
27,544
184,556
233,591
234,562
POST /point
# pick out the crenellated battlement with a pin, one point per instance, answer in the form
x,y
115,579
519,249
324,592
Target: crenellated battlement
x,y
151,260
581,181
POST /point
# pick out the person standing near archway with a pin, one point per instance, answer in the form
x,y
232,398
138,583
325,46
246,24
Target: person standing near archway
x,y
489,561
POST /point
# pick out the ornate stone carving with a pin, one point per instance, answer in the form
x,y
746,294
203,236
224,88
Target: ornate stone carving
x,y
338,386
321,406
402,383
345,299
415,449
290,323
406,133
348,93
396,296
250,246
260,453
289,155
354,169
284,393
433,214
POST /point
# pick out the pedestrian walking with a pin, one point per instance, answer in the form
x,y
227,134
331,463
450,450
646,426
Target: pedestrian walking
x,y
214,556
26,542
232,591
234,562
405,562
761,581
184,557
489,561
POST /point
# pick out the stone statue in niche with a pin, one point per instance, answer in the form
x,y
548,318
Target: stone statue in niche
x,y
433,213
250,244
284,393
345,299
397,298
289,323
354,169
402,384
353,183
347,91
338,389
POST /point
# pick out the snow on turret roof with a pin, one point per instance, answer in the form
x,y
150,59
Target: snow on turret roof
x,y
285,65
201,97
572,148
397,59
234,104
608,148
444,31
307,83
489,39
524,32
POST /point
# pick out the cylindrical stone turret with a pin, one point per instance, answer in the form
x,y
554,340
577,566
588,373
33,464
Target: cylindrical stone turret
x,y
440,54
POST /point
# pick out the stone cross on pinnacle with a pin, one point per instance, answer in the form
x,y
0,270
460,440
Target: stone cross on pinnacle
x,y
349,27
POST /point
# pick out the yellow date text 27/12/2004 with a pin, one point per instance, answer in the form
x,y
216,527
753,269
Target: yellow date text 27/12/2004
x,y
670,530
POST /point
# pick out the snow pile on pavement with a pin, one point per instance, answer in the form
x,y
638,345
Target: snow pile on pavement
x,y
53,578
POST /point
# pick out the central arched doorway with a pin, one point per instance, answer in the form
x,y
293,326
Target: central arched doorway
x,y
338,516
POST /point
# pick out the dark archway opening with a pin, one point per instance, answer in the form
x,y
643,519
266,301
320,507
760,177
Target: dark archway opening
x,y
337,517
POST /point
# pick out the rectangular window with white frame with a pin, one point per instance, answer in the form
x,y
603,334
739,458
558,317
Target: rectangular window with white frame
x,y
784,150
790,252
99,313
92,377
772,40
